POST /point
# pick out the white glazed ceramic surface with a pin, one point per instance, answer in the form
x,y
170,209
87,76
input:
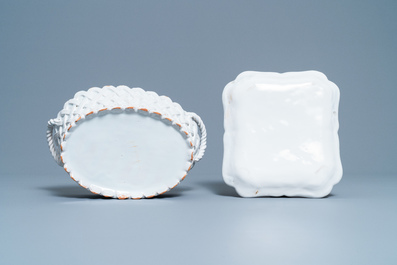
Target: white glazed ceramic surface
x,y
126,143
281,134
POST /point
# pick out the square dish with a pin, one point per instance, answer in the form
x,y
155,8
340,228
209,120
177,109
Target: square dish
x,y
281,134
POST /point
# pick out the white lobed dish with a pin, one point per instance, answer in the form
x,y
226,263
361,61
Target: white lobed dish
x,y
125,142
281,134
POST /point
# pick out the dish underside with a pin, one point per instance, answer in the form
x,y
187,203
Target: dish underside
x,y
281,134
126,155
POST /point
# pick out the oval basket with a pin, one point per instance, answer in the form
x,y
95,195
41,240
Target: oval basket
x,y
125,142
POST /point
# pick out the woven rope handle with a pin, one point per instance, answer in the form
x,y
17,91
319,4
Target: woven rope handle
x,y
53,140
203,139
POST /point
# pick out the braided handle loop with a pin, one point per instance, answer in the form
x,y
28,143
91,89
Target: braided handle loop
x,y
203,140
53,139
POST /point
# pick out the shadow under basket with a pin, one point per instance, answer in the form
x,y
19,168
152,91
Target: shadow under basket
x,y
126,143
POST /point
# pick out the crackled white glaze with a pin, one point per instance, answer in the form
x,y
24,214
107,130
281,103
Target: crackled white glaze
x,y
126,143
281,134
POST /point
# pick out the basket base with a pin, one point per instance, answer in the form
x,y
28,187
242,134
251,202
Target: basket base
x,y
126,155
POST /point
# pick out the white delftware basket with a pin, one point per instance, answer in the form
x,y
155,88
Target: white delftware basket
x,y
126,143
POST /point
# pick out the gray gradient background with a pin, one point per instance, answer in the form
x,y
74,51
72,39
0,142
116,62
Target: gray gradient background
x,y
189,51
